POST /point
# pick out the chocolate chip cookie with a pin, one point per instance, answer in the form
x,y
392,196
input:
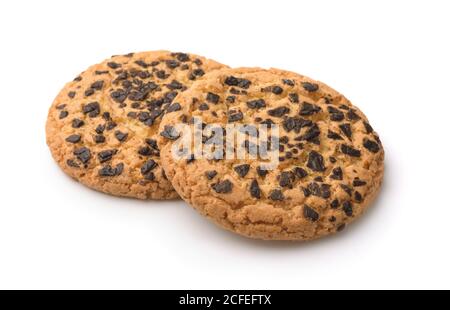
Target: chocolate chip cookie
x,y
329,159
102,126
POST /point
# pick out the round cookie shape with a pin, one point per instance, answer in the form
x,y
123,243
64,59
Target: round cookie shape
x,y
330,159
102,126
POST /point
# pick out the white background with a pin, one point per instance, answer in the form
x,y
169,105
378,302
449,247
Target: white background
x,y
391,58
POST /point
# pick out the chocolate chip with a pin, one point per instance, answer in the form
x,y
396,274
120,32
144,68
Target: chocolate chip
x,y
295,123
203,107
83,154
106,155
170,96
278,112
99,138
113,65
334,204
346,129
288,82
312,133
276,195
309,109
335,114
173,107
300,172
144,74
138,95
261,171
152,143
371,145
92,109
351,115
358,182
277,90
174,85
255,191
223,187
106,116
97,85
233,81
213,98
318,179
141,63
61,106
358,196
110,125
183,57
347,207
310,214
235,91
148,166
71,94
109,171
150,176
369,128
143,116
211,174
315,161
89,92
348,150
293,97
72,163
332,159
170,133
332,219
333,135
346,189
63,114
162,74
100,129
242,170
310,87
235,116
306,191
77,123
119,95
121,136
322,190
145,151
73,138
100,72
336,174
256,104
231,99
172,64
325,191
286,179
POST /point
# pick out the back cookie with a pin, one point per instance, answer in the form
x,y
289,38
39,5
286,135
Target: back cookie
x,y
102,126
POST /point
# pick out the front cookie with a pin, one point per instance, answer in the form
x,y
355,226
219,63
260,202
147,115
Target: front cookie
x,y
102,126
329,161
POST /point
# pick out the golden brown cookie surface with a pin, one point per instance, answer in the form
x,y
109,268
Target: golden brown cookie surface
x,y
330,159
101,127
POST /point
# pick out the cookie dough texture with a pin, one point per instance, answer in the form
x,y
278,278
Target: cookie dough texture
x,y
331,160
102,126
